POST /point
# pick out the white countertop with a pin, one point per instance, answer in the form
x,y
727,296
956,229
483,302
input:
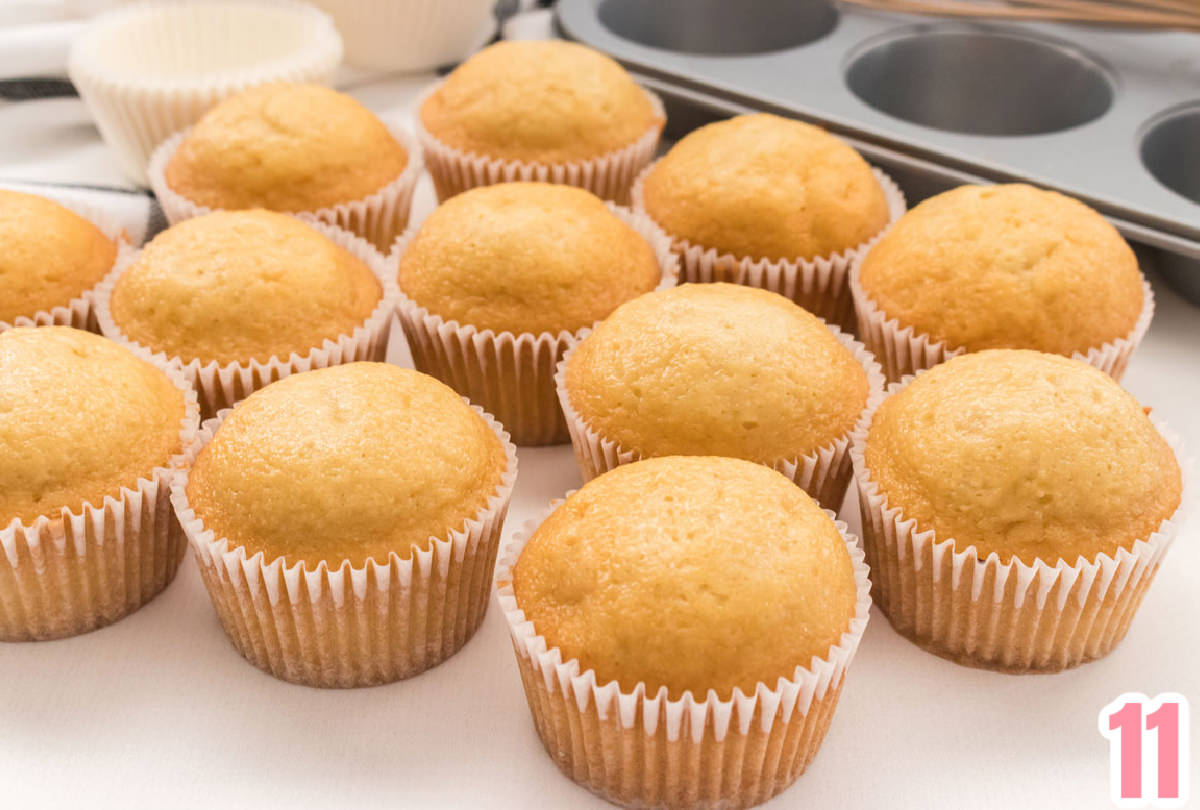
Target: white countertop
x,y
159,710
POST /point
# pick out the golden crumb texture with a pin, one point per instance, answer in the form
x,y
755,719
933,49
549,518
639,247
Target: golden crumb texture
x,y
1006,267
80,418
526,257
233,286
1024,454
347,463
544,102
285,147
716,369
48,255
761,186
693,573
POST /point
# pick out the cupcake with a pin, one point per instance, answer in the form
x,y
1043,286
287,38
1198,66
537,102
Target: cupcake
x,y
346,522
91,437
1001,267
239,299
550,111
52,260
720,370
773,203
294,148
1016,506
682,626
498,282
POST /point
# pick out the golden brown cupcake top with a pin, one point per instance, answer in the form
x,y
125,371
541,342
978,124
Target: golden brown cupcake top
x,y
547,102
349,462
693,573
761,186
1024,454
526,257
1006,267
48,255
80,418
240,285
285,147
716,369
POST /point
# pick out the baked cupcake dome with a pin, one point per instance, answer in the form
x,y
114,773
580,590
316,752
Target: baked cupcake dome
x,y
761,186
539,101
718,369
668,616
499,278
1004,267
83,421
51,256
368,500
1028,494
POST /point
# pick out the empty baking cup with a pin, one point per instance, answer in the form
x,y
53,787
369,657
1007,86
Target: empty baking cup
x,y
411,35
347,626
1014,616
639,749
80,569
824,473
902,350
151,69
821,285
221,385
80,311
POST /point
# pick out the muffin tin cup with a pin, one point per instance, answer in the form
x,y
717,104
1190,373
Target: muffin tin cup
x,y
192,55
221,385
819,285
352,626
78,570
824,474
379,218
609,176
1010,617
902,350
511,375
639,749
80,311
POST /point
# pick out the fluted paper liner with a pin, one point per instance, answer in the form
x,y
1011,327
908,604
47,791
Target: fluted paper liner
x,y
820,285
80,311
824,474
78,570
412,35
1015,616
379,217
511,375
902,350
642,750
608,176
352,626
221,385
136,110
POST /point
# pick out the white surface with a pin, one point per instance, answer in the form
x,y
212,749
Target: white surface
x,y
159,710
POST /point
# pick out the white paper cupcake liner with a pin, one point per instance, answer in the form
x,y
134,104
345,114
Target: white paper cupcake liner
x,y
1012,617
824,474
352,626
79,312
609,176
902,350
78,570
221,385
645,750
819,285
379,218
411,35
510,375
148,70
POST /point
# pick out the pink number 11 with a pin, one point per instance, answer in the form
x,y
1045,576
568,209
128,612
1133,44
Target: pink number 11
x,y
1164,737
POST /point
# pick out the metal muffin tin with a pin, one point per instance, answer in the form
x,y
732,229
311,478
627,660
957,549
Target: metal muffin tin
x,y
1106,115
